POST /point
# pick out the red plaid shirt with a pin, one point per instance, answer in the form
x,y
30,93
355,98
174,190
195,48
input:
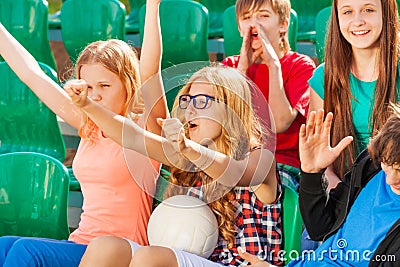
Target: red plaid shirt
x,y
258,225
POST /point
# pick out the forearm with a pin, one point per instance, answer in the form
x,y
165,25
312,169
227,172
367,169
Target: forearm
x,y
317,218
28,70
150,59
16,56
129,135
111,124
150,70
283,113
253,170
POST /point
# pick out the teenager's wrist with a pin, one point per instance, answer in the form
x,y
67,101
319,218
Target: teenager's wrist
x,y
312,169
198,155
88,105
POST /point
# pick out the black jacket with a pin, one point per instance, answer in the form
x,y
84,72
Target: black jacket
x,y
323,215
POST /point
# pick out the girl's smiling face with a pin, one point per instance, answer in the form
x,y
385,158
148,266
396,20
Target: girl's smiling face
x,y
360,22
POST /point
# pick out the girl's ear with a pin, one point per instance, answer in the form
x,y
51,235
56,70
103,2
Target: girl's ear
x,y
284,26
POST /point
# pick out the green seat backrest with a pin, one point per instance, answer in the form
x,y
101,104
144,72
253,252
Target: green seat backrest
x,y
306,12
321,29
54,19
184,27
233,40
292,221
26,124
132,19
86,21
293,30
33,196
161,186
27,21
175,78
216,10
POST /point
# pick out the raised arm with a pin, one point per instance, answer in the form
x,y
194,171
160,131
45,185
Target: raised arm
x,y
150,69
256,169
316,154
284,114
29,71
316,103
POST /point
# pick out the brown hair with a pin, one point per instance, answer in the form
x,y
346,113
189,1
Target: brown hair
x,y
232,88
281,7
338,95
385,146
120,58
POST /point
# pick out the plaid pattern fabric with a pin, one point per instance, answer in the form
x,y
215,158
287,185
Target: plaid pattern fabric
x,y
290,176
259,228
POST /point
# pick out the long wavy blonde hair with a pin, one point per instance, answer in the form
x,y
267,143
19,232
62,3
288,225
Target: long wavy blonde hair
x,y
120,58
241,131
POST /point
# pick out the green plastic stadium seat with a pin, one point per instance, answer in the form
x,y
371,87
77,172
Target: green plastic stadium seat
x,y
26,124
161,186
292,221
175,78
55,19
27,21
233,40
33,196
293,30
321,28
86,21
307,12
216,10
132,19
184,27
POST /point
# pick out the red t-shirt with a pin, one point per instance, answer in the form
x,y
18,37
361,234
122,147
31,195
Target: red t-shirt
x,y
297,69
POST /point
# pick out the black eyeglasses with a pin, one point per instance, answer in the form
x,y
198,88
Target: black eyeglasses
x,y
200,101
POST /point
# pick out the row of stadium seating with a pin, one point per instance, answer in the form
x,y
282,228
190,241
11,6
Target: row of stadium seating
x,y
306,11
186,23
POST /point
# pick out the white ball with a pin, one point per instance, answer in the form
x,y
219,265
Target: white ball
x,y
185,223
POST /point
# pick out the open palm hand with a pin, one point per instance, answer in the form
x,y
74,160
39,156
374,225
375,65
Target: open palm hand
x,y
316,152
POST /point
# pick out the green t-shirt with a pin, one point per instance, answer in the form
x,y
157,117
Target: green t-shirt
x,y
362,105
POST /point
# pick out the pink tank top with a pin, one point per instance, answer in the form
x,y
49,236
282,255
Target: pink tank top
x,y
112,181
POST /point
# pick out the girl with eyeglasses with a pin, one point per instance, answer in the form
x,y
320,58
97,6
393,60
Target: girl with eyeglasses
x,y
215,147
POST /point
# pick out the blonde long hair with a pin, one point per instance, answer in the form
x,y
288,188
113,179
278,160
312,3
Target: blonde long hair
x,y
120,58
241,131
